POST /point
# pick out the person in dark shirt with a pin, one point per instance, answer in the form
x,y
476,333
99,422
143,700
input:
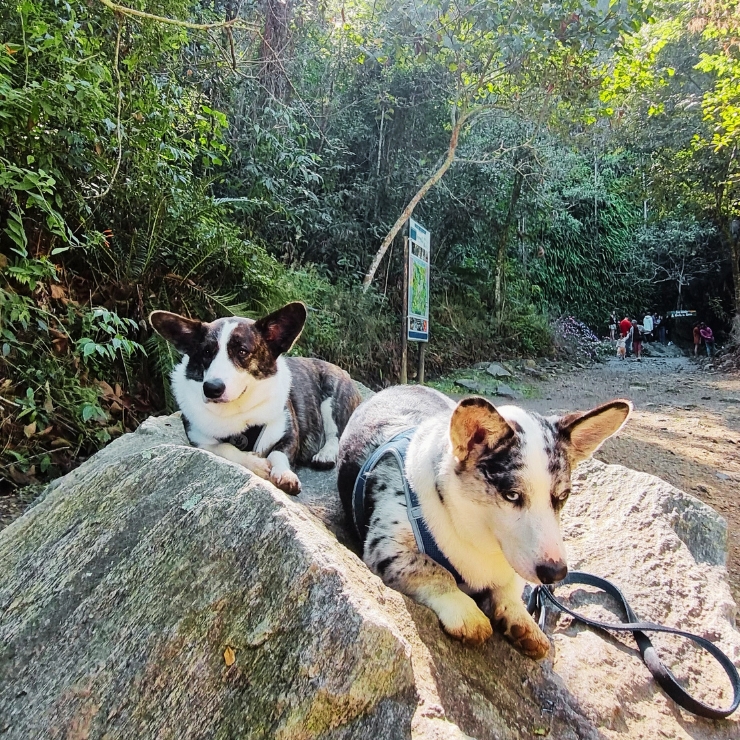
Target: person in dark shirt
x,y
636,338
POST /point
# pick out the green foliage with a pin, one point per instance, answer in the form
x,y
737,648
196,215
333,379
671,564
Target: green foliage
x,y
108,145
145,166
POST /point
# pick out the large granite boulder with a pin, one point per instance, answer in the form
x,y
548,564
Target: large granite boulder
x,y
161,592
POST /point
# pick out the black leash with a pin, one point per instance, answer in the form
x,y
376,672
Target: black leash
x,y
541,595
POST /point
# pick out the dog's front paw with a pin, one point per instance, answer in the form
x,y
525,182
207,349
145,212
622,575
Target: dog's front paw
x,y
522,631
259,466
286,481
461,618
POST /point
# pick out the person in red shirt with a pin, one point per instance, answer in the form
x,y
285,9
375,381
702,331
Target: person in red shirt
x,y
624,329
706,334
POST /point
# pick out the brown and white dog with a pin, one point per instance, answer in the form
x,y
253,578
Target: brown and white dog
x,y
490,484
242,400
622,348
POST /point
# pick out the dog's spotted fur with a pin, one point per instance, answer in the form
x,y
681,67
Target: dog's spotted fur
x,y
265,411
491,484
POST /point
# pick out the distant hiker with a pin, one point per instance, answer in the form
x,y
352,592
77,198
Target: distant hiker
x,y
613,326
708,337
697,339
635,336
647,326
659,328
625,327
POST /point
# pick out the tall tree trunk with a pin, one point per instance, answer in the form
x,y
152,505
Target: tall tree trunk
x,y
732,237
275,42
736,275
503,243
425,188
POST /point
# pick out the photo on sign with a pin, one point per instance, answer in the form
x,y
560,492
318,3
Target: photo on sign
x,y
419,288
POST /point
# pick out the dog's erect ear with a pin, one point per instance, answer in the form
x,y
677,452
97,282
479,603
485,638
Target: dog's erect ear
x,y
585,431
180,331
476,423
282,328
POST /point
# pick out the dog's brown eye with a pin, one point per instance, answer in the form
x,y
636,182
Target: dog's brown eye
x,y
511,496
242,352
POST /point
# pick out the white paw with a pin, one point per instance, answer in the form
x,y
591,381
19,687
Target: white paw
x,y
327,455
461,617
286,481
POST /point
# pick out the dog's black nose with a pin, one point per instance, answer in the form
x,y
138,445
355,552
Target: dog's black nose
x,y
214,388
551,572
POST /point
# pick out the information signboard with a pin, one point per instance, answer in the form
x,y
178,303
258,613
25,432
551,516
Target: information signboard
x,y
418,298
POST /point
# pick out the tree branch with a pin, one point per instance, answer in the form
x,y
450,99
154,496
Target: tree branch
x,y
173,21
425,188
119,132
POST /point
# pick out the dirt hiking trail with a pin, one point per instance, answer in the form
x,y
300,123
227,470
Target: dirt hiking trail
x,y
685,427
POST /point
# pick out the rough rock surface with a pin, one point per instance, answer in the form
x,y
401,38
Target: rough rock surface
x,y
498,371
161,592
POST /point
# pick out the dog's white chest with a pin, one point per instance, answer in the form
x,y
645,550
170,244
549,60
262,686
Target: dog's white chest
x,y
263,404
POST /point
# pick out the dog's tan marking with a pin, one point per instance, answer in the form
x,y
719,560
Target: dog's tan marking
x,y
475,422
513,620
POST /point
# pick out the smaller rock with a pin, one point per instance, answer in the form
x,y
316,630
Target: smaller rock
x,y
530,363
508,391
723,476
481,366
470,385
497,371
729,400
703,489
638,388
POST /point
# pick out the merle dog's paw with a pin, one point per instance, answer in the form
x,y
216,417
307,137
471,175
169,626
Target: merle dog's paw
x,y
522,631
461,618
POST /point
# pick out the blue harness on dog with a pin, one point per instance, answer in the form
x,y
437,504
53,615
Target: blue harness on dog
x,y
396,448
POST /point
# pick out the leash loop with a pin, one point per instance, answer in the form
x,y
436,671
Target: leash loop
x,y
542,596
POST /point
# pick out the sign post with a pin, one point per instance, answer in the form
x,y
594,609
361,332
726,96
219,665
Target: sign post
x,y
416,295
404,333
